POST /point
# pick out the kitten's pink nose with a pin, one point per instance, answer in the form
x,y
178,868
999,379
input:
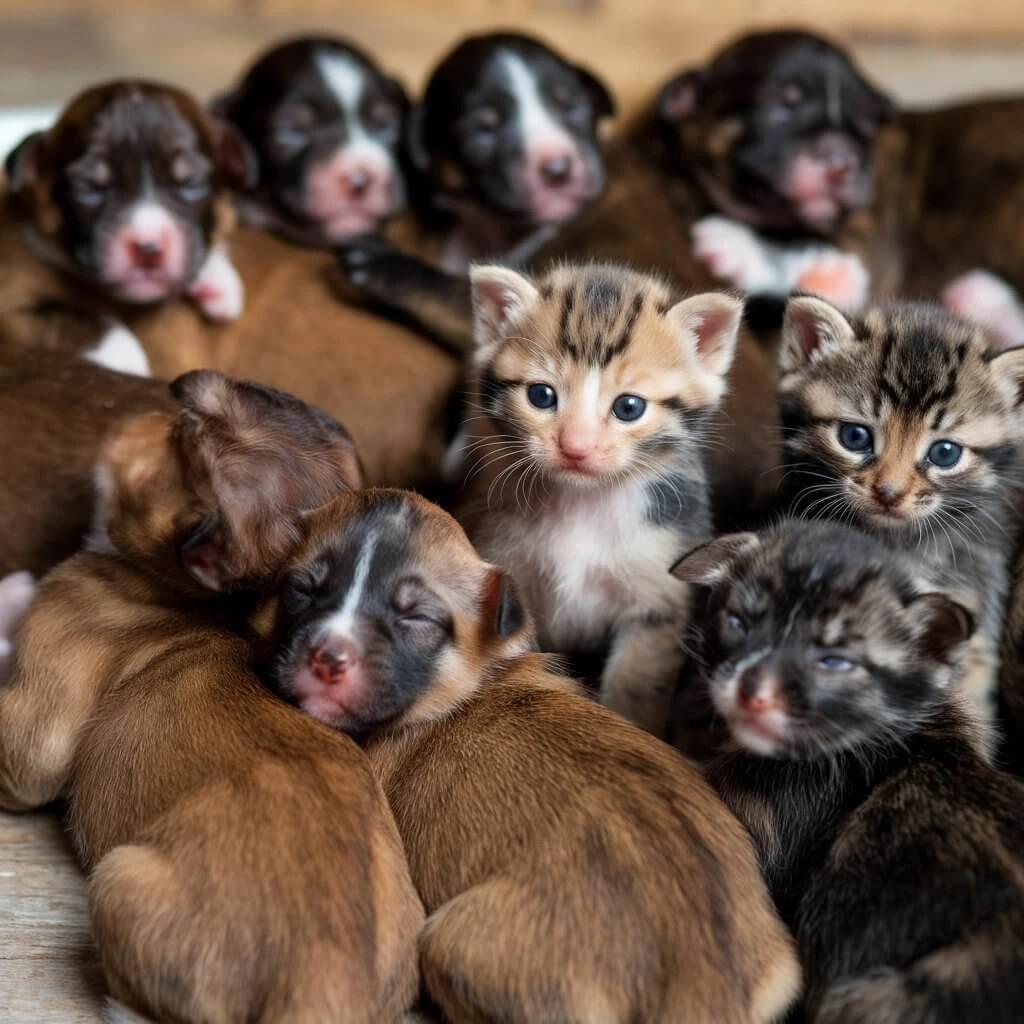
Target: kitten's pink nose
x,y
758,691
887,493
575,446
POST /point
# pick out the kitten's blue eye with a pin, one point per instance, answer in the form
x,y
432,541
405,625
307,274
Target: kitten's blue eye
x,y
541,396
629,408
737,624
855,437
945,454
836,663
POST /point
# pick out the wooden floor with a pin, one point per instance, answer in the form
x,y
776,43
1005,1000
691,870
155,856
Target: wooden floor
x,y
48,973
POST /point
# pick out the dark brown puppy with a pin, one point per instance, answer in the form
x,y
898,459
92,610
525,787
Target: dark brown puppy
x,y
59,398
792,138
325,124
126,196
244,863
575,868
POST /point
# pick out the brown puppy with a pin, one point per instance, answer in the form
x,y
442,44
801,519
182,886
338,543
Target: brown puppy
x,y
125,197
60,395
575,869
244,862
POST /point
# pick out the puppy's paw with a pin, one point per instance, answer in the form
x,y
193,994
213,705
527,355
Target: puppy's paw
x,y
990,302
372,266
217,288
839,277
16,594
732,253
121,351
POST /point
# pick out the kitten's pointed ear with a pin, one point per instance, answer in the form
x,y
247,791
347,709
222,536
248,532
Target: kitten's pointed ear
x,y
499,296
678,100
1008,369
945,625
711,324
710,563
811,328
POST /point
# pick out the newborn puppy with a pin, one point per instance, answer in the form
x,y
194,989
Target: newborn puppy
x,y
325,124
893,850
779,129
127,193
243,862
575,868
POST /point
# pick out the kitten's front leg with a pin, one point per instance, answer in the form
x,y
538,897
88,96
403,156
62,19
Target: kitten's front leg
x,y
217,289
640,676
405,286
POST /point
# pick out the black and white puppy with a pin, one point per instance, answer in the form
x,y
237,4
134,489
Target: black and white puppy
x,y
508,128
326,126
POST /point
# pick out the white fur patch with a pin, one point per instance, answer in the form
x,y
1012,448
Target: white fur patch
x,y
218,289
535,123
991,303
346,81
117,1013
340,623
150,220
121,351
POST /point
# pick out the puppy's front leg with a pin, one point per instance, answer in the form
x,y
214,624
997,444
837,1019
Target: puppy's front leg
x,y
640,677
45,697
414,291
217,289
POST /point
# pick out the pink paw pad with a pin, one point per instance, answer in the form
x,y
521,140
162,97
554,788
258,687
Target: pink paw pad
x,y
986,300
838,277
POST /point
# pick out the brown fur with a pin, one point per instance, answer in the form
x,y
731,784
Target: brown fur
x,y
575,868
244,863
55,411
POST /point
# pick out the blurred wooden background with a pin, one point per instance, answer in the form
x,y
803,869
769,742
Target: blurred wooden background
x,y
922,49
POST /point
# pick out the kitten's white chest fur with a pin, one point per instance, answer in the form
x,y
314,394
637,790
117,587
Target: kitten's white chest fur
x,y
588,560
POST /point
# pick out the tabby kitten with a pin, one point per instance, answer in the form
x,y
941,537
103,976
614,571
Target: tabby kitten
x,y
906,423
582,456
895,853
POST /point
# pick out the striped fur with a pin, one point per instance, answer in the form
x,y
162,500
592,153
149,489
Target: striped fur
x,y
590,543
913,376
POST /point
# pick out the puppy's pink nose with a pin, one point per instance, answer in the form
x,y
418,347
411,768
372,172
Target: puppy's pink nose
x,y
148,253
356,182
556,170
757,692
333,659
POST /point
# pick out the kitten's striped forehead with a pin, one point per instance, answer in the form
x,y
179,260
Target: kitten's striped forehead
x,y
597,311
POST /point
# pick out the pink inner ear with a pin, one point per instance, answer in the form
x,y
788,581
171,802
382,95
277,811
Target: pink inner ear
x,y
235,158
807,333
711,333
499,300
679,101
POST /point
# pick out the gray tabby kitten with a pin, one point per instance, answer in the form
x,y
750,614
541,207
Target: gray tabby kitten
x,y
906,423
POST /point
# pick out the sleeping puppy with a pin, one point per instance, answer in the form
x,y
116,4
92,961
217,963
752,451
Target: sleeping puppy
x,y
325,124
792,139
243,861
574,868
125,196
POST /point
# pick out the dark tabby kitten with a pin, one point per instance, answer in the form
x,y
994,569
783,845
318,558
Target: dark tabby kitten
x,y
905,422
583,458
895,853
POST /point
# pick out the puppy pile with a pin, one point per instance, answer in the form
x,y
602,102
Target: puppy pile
x,y
689,689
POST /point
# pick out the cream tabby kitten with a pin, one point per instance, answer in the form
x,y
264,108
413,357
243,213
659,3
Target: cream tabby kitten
x,y
582,455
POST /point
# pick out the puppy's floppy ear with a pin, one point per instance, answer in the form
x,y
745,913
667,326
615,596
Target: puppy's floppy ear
x,y
236,160
945,625
256,459
600,97
25,163
222,105
680,96
500,296
712,562
812,328
503,615
415,144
